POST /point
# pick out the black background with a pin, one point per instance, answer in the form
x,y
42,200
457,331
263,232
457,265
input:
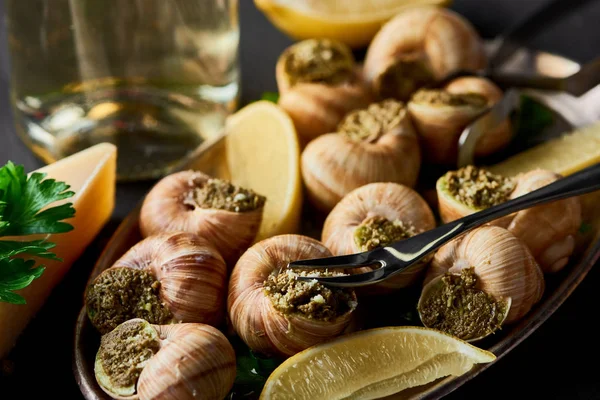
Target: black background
x,y
558,361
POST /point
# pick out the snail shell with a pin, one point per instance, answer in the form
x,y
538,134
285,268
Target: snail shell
x,y
253,315
440,116
418,46
504,267
391,201
167,208
319,83
172,277
183,361
317,108
334,164
548,230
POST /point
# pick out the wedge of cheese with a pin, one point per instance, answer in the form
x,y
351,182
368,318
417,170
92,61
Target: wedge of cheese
x,y
92,176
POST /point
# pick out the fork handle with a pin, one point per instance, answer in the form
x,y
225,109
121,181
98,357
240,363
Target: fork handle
x,y
585,181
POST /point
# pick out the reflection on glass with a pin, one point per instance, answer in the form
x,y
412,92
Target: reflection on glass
x,y
154,77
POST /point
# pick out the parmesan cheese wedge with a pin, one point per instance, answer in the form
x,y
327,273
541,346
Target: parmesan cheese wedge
x,y
91,174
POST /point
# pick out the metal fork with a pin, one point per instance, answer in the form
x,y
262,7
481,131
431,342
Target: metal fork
x,y
504,46
578,111
576,84
398,256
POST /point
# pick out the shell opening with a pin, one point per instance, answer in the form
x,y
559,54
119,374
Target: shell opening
x,y
222,195
435,97
404,76
319,61
119,294
309,299
457,307
123,354
477,187
370,124
379,232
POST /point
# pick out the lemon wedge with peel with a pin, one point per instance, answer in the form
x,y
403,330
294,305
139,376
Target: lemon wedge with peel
x,y
353,22
263,154
372,364
565,155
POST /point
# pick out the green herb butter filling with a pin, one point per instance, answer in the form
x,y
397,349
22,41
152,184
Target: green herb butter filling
x,y
460,309
222,195
309,299
319,61
403,77
120,294
379,232
123,354
477,187
436,97
370,124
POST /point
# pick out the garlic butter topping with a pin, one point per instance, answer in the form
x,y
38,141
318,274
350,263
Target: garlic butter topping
x,y
318,60
222,195
368,125
378,231
458,307
445,98
310,299
477,187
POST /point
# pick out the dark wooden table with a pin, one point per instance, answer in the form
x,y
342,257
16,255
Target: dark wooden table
x,y
557,361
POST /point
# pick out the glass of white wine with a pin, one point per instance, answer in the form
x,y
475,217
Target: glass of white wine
x,y
155,77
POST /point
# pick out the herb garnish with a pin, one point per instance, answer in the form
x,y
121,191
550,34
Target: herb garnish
x,y
22,199
273,97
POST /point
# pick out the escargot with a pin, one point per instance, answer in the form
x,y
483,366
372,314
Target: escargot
x,y
319,82
547,230
226,215
376,144
166,278
141,361
276,314
441,115
479,281
376,215
419,46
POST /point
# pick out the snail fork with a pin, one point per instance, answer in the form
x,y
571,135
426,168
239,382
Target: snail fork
x,y
579,111
390,260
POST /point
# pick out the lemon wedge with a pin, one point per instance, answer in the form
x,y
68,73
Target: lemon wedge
x,y
353,22
565,155
372,364
91,174
263,154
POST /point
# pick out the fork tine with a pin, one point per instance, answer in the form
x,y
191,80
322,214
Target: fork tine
x,y
347,262
355,280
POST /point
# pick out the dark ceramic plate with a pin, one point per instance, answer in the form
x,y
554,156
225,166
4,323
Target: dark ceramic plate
x,y
209,158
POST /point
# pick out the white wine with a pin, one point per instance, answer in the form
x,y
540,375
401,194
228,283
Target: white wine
x,y
154,77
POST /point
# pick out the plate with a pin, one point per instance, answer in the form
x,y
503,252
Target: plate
x,y
208,158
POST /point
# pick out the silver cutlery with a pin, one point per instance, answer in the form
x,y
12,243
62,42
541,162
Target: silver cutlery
x,y
389,260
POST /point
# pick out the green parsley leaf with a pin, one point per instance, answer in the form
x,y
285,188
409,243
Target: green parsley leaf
x,y
24,210
23,197
252,371
15,274
270,96
38,248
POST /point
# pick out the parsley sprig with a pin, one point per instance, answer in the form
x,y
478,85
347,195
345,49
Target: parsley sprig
x,y
24,210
